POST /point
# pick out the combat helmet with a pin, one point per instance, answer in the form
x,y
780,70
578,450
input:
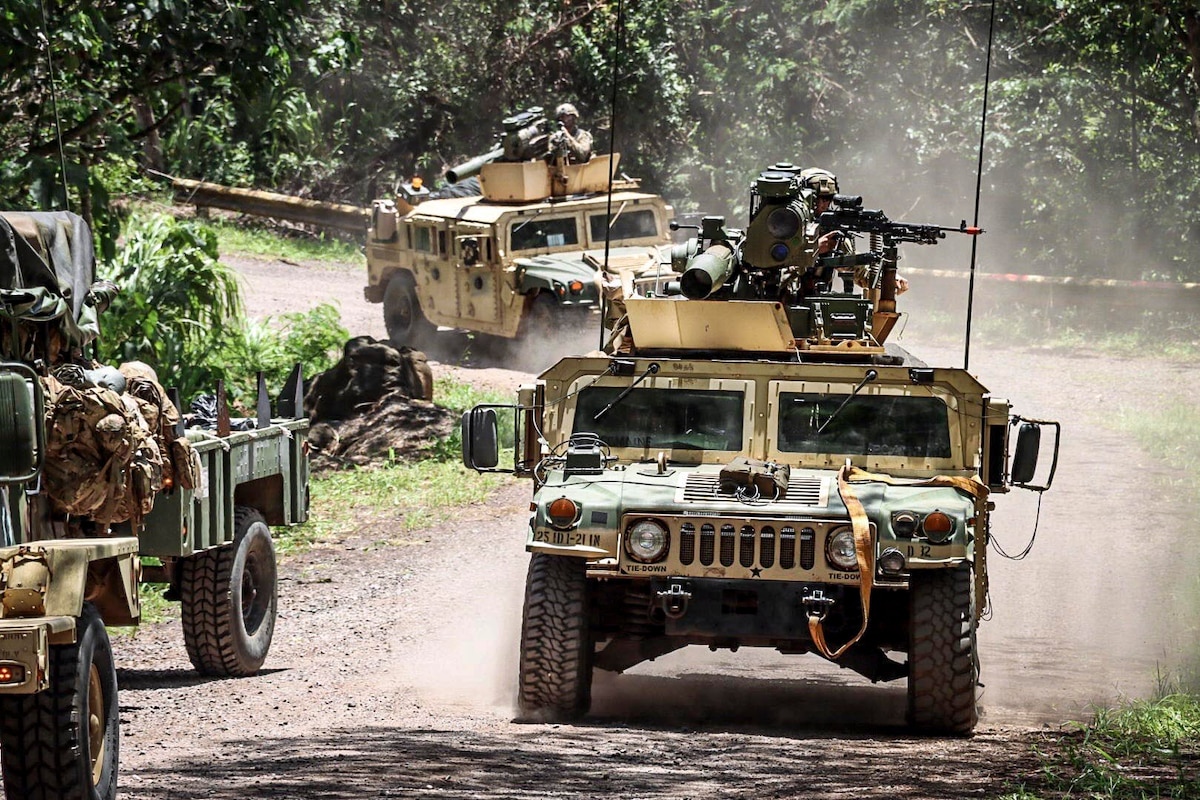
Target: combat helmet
x,y
565,109
821,181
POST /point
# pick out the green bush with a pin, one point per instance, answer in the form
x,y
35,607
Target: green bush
x,y
180,311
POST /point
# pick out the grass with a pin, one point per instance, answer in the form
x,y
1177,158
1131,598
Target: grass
x,y
1171,433
1146,749
1157,334
423,493
255,241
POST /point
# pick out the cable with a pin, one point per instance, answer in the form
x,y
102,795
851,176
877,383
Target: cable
x,y
1029,546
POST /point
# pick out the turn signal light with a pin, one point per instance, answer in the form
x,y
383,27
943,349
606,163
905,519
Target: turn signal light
x,y
12,673
576,287
563,512
938,526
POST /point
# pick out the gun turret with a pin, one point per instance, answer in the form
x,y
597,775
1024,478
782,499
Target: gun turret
x,y
775,259
471,167
526,136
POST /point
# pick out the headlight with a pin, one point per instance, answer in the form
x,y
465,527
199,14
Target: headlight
x,y
904,523
563,513
646,541
839,549
938,527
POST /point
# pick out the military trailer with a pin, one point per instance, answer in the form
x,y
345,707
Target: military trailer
x,y
747,465
521,254
195,502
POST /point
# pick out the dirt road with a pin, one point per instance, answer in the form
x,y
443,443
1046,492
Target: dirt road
x,y
393,666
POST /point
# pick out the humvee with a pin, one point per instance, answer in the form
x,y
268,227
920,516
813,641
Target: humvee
x,y
65,577
748,467
522,255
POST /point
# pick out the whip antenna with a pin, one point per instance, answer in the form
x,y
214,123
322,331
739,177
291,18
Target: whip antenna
x,y
987,76
62,159
612,146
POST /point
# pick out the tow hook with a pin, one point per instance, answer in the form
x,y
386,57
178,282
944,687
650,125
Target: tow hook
x,y
817,604
675,599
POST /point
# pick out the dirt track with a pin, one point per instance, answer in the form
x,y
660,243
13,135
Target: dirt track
x,y
393,666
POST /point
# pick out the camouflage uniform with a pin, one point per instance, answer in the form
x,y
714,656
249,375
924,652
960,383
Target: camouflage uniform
x,y
578,142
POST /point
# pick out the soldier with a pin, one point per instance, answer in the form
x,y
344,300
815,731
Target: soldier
x,y
578,142
824,184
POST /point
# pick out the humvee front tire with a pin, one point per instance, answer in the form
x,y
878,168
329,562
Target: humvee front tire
x,y
556,642
62,744
229,600
943,660
406,324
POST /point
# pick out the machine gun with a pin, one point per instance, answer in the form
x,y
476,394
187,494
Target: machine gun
x,y
850,217
775,259
526,136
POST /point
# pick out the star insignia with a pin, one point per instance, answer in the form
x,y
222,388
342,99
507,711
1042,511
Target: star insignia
x,y
756,572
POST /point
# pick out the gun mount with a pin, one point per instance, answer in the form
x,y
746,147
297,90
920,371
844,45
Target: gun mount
x,y
789,298
532,160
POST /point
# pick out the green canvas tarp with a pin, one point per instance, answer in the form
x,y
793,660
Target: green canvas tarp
x,y
47,268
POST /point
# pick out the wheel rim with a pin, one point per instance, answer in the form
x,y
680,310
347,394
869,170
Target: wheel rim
x,y
95,723
255,601
402,312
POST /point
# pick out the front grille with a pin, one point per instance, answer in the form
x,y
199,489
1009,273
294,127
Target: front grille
x,y
748,547
807,491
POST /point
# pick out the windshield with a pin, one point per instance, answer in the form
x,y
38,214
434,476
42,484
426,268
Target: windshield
x,y
535,233
684,419
886,425
638,224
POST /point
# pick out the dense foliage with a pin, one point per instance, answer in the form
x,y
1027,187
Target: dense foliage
x,y
1093,132
180,310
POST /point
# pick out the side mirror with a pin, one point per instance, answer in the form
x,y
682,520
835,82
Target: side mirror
x,y
1024,464
1025,458
480,439
22,440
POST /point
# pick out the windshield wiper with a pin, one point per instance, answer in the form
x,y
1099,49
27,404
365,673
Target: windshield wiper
x,y
870,376
650,370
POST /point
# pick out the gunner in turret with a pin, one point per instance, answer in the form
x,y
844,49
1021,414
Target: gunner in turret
x,y
824,184
577,142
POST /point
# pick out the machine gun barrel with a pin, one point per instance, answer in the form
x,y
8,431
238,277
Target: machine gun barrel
x,y
861,220
707,272
468,168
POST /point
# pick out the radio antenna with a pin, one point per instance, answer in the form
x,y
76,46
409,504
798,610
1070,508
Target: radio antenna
x,y
612,146
62,158
987,76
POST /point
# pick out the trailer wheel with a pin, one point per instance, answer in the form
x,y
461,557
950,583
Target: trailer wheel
x,y
943,661
556,644
402,316
63,743
229,600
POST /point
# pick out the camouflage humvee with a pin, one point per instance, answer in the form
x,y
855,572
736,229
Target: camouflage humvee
x,y
759,472
97,473
523,255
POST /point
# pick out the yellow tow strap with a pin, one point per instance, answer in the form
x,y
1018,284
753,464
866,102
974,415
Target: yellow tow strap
x,y
864,547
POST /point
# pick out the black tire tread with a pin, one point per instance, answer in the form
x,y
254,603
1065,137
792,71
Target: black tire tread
x,y
555,672
943,658
422,334
42,738
207,612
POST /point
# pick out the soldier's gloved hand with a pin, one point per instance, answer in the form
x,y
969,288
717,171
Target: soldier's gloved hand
x,y
828,242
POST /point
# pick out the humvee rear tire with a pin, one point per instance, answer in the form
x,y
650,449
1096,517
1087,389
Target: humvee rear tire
x,y
402,316
63,743
943,660
229,600
556,642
